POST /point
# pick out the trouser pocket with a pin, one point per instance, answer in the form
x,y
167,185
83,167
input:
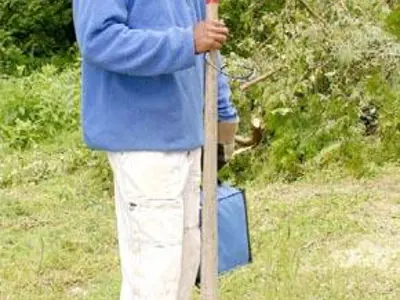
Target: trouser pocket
x,y
151,186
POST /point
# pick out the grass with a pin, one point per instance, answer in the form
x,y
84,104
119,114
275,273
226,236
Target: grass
x,y
332,240
314,239
58,240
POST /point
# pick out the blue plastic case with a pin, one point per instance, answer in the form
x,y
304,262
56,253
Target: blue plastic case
x,y
234,248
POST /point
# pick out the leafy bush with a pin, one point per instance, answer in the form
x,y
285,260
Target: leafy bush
x,y
246,20
334,61
386,96
393,22
38,107
10,55
34,31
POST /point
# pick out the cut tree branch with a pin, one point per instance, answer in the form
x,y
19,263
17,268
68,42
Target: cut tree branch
x,y
248,143
246,85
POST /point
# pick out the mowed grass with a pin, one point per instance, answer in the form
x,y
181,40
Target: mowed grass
x,y
58,241
331,240
311,240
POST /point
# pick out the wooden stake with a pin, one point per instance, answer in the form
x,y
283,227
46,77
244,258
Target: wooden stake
x,y
209,253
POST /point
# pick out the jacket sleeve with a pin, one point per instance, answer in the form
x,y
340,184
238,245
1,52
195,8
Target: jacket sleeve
x,y
226,110
105,40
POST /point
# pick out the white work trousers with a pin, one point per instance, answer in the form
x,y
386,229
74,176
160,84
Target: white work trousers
x,y
157,196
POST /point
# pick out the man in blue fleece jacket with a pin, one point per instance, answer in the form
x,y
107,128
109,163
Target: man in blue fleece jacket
x,y
142,92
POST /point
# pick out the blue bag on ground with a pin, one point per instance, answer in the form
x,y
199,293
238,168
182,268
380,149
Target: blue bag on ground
x,y
233,229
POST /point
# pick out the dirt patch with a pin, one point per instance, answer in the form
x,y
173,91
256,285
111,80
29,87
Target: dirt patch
x,y
369,253
77,291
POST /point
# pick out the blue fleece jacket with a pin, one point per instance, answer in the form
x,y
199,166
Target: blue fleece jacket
x,y
142,84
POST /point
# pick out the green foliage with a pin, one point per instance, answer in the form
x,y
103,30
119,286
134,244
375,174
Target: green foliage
x,y
248,22
38,27
38,107
312,107
386,96
33,31
39,114
393,22
10,55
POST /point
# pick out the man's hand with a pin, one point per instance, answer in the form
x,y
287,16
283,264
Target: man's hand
x,y
209,36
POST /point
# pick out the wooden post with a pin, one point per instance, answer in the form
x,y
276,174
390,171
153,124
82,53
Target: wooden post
x,y
209,253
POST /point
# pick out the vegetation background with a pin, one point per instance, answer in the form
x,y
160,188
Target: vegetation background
x,y
323,185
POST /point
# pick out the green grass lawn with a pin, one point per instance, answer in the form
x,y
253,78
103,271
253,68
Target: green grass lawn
x,y
331,239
